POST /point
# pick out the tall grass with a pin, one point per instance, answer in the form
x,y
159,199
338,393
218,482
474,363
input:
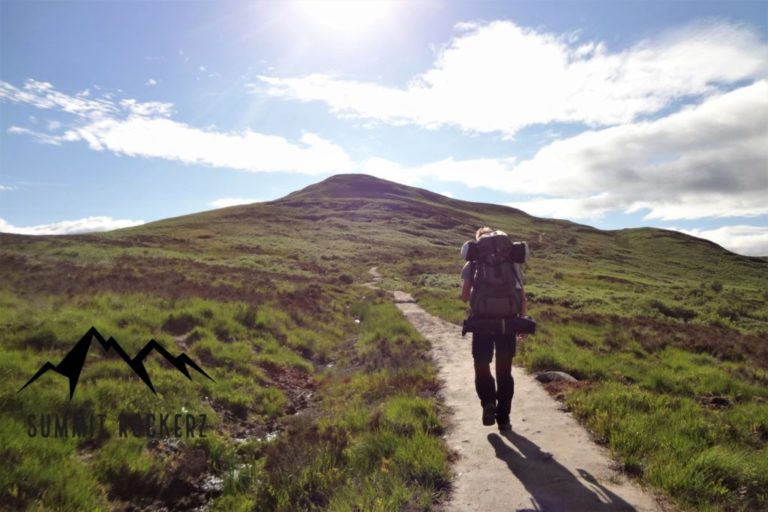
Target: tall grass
x,y
85,473
373,443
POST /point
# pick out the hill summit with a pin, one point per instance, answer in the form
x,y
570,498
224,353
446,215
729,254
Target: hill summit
x,y
360,185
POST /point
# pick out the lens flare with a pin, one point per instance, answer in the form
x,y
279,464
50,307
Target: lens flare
x,y
349,18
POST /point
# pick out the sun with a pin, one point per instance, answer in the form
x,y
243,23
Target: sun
x,y
345,17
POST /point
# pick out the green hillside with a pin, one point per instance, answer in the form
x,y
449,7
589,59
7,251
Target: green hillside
x,y
324,397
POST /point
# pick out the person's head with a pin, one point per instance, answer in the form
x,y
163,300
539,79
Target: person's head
x,y
482,231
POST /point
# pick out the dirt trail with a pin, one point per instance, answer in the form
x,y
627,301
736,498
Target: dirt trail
x,y
547,463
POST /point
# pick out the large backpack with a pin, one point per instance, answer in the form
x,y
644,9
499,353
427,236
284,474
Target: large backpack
x,y
495,293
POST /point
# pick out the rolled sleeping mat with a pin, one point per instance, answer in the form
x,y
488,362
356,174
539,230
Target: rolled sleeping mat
x,y
518,253
524,325
516,325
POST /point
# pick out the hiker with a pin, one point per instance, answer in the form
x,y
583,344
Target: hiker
x,y
495,396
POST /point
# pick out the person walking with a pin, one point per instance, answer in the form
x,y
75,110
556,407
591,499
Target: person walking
x,y
495,394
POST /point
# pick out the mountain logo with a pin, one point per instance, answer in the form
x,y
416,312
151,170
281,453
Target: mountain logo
x,y
72,364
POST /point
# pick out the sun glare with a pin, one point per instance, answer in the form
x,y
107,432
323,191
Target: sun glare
x,y
350,17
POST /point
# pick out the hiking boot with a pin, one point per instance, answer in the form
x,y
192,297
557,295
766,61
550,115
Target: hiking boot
x,y
489,414
504,424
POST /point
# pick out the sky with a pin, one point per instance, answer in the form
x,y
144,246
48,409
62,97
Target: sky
x,y
615,114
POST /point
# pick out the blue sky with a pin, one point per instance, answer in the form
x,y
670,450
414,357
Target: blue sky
x,y
613,114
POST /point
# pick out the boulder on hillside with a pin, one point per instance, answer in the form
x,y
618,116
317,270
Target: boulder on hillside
x,y
555,377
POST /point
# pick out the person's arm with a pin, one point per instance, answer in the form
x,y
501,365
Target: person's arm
x,y
467,273
466,290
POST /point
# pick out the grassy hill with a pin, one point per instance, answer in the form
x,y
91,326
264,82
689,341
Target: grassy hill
x,y
324,396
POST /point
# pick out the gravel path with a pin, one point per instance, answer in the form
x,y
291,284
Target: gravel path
x,y
547,463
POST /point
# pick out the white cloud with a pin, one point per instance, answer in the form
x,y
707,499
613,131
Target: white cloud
x,y
233,201
564,208
710,160
249,151
6,187
705,161
68,227
42,95
500,77
44,138
146,129
150,82
148,109
741,239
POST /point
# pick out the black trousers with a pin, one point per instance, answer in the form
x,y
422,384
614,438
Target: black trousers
x,y
501,390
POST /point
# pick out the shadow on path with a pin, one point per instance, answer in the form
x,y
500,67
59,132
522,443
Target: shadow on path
x,y
552,487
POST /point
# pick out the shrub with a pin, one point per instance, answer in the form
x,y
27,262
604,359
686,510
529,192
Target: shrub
x,y
729,313
679,312
180,324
